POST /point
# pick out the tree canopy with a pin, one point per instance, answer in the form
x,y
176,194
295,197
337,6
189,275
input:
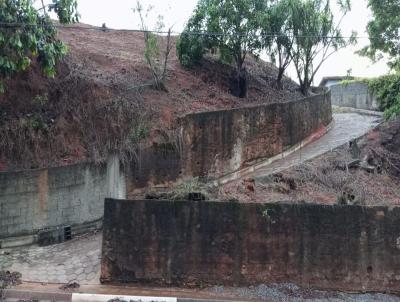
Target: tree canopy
x,y
383,31
234,25
27,32
316,37
277,35
302,32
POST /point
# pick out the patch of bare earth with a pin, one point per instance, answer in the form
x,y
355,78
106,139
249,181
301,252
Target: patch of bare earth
x,y
363,173
101,93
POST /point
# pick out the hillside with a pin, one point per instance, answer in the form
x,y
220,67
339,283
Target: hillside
x,y
101,100
366,173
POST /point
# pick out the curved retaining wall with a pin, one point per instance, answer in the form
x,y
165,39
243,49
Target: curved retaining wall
x,y
37,205
190,243
214,144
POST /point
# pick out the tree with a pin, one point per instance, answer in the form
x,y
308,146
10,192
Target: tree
x,y
27,33
156,61
235,28
190,46
277,36
316,37
383,31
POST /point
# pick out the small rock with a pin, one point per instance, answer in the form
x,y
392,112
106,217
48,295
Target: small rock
x,y
69,286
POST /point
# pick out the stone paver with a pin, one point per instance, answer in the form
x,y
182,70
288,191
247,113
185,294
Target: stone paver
x,y
347,127
77,260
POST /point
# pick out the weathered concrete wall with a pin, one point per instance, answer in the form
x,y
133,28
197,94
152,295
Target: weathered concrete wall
x,y
38,200
213,144
354,95
208,144
198,243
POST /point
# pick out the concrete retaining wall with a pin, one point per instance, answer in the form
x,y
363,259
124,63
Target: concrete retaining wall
x,y
199,243
36,205
214,144
354,95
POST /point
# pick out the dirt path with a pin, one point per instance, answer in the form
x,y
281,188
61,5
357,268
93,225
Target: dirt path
x,y
347,126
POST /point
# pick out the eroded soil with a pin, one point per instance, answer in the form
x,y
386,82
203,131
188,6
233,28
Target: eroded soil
x,y
362,173
102,99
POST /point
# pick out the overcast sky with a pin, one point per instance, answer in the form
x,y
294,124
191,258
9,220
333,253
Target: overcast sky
x,y
118,14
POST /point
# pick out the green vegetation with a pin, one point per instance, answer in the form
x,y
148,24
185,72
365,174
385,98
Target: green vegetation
x,y
138,132
317,37
270,213
387,91
156,60
235,26
194,185
354,80
383,31
29,34
279,46
300,31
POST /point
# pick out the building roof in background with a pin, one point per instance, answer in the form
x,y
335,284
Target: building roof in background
x,y
334,78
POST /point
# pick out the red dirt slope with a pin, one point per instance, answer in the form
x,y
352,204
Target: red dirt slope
x,y
99,99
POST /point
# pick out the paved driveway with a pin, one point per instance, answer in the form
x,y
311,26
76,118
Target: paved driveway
x,y
76,260
347,127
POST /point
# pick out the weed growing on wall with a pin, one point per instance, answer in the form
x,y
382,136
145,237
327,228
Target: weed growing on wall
x,y
194,185
269,213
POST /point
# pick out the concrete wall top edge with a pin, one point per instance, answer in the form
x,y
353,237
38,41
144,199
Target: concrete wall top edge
x,y
322,92
269,204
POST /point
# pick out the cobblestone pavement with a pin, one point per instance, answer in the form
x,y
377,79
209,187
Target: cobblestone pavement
x,y
347,127
77,260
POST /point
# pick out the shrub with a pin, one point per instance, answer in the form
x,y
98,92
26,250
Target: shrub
x,y
387,91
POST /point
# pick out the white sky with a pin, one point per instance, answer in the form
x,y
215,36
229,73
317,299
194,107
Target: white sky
x,y
118,14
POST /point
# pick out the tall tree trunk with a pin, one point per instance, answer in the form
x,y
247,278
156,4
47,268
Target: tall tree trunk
x,y
305,87
239,81
279,84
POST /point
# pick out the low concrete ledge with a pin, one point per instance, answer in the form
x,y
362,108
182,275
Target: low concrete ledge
x,y
51,235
